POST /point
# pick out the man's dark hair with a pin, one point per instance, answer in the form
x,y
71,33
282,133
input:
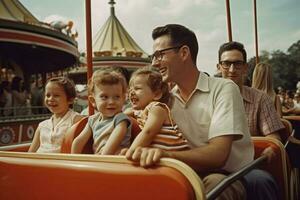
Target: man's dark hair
x,y
179,35
228,46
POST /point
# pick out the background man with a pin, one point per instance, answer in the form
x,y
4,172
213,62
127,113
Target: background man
x,y
263,119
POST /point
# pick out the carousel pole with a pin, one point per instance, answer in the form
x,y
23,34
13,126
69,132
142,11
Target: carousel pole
x,y
255,32
89,61
229,32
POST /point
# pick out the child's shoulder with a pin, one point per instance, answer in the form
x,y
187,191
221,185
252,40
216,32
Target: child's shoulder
x,y
46,123
121,116
156,103
95,116
92,119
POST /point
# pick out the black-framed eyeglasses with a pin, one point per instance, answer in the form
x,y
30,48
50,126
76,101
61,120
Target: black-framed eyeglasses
x,y
237,64
158,55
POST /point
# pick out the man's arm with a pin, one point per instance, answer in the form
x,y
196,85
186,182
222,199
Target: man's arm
x,y
275,135
211,156
269,121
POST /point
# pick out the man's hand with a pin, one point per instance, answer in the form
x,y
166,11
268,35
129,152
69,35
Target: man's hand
x,y
269,152
123,151
145,156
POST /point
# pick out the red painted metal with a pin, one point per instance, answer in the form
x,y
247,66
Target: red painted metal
x,y
255,32
229,31
89,45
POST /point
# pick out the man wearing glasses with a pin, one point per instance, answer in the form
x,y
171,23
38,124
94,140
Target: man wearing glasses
x,y
260,111
261,114
209,111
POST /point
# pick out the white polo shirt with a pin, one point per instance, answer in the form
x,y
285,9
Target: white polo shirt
x,y
215,108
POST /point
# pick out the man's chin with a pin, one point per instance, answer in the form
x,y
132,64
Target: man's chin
x,y
234,79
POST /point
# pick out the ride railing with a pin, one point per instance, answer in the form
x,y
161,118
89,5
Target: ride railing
x,y
279,167
93,177
23,113
22,164
18,124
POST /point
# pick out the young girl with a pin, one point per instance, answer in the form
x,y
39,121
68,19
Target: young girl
x,y
109,127
59,95
262,79
150,98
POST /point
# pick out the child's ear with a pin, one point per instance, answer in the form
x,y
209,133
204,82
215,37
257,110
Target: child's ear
x,y
92,100
158,95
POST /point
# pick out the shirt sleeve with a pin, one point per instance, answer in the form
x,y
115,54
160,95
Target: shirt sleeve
x,y
92,119
229,113
121,117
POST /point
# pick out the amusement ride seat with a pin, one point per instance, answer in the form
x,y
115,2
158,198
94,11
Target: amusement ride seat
x,y
287,131
279,167
72,133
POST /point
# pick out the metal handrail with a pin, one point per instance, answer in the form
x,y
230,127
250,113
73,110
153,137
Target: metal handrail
x,y
216,191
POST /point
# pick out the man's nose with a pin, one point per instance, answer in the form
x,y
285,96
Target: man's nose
x,y
231,68
154,62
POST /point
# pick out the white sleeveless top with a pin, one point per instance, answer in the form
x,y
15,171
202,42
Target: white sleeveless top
x,y
51,137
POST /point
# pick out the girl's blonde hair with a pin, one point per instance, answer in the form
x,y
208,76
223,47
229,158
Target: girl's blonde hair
x,y
67,84
154,81
106,77
262,79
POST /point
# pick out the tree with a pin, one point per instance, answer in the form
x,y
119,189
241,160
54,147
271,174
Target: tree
x,y
283,70
294,52
286,67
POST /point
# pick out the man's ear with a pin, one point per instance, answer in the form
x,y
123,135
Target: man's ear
x,y
218,66
246,68
92,100
185,52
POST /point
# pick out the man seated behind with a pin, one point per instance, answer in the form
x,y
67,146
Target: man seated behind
x,y
260,111
261,114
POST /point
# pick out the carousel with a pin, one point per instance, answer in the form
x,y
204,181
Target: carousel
x,y
30,47
112,46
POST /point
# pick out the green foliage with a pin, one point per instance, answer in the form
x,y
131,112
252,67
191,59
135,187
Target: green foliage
x,y
286,66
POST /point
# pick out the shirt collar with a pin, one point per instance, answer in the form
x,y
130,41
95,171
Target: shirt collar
x,y
246,94
202,85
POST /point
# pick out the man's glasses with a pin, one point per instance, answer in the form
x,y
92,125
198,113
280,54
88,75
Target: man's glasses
x,y
159,54
237,64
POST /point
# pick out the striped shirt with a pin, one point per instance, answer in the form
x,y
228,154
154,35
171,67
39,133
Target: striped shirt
x,y
260,111
169,137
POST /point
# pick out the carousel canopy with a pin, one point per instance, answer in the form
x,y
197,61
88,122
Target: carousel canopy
x,y
14,10
112,46
32,45
112,40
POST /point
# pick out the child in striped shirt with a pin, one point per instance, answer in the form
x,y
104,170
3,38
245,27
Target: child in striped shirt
x,y
150,99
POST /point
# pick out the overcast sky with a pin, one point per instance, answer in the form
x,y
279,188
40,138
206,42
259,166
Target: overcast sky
x,y
278,21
